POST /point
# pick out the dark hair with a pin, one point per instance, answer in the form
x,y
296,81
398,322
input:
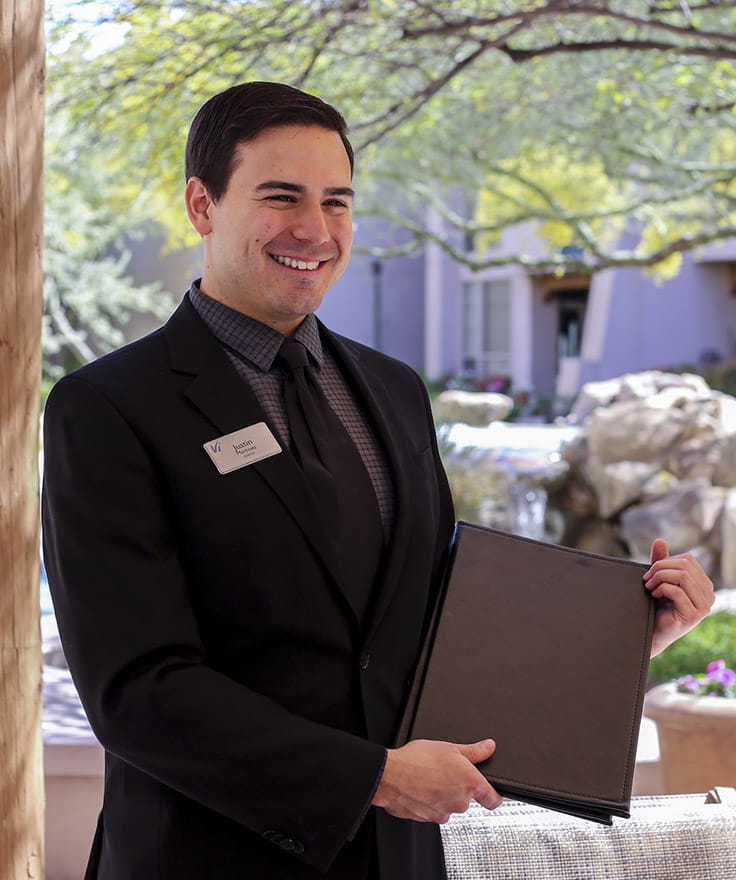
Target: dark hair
x,y
241,113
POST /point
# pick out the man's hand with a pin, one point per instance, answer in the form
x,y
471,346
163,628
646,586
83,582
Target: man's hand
x,y
427,780
683,591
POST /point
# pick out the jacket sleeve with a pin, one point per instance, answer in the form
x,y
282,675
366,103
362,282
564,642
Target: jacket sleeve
x,y
131,638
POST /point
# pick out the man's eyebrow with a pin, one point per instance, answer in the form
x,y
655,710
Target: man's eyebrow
x,y
298,188
340,191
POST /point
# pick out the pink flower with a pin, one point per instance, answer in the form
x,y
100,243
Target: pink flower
x,y
718,671
717,681
689,683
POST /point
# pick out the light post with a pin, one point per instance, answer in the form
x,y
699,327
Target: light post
x,y
377,272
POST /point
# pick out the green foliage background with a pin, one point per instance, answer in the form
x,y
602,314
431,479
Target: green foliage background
x,y
713,639
583,120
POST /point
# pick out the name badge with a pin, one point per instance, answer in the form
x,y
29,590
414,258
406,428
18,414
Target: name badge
x,y
241,448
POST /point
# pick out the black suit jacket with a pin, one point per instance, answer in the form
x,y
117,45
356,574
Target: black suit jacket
x,y
243,708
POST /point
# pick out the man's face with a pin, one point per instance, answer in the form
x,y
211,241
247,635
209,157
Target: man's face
x,y
281,234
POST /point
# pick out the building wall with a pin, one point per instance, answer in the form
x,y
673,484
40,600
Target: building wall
x,y
633,322
349,307
152,261
659,326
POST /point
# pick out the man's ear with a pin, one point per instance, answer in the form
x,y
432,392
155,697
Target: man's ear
x,y
199,205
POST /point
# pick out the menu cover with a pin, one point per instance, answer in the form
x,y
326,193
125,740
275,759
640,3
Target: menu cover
x,y
545,649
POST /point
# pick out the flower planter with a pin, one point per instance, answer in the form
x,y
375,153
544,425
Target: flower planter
x,y
697,739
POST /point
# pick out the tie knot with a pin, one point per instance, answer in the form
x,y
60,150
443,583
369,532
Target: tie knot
x,y
293,354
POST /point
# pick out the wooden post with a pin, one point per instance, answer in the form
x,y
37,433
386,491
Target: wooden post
x,y
21,233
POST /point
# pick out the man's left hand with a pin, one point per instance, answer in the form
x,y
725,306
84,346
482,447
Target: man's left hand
x,y
683,591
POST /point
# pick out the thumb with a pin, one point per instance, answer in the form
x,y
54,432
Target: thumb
x,y
478,751
485,794
659,550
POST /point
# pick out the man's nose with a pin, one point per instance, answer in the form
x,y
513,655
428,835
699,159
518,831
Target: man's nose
x,y
310,224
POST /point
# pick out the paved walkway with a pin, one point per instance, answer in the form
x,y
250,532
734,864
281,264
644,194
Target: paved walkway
x,y
64,720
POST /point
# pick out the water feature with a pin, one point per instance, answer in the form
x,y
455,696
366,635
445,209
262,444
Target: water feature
x,y
500,474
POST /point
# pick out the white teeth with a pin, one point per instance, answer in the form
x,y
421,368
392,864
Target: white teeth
x,y
296,264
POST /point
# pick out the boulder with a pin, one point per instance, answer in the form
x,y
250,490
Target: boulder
x,y
728,540
476,408
618,484
652,454
634,430
684,517
636,386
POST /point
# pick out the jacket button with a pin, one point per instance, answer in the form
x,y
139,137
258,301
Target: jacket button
x,y
288,844
365,660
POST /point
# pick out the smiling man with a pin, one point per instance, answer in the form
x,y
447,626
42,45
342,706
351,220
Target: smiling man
x,y
245,522
280,235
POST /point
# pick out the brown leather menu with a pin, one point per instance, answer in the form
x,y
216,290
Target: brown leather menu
x,y
546,650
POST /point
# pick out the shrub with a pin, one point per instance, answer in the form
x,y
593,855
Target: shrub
x,y
714,638
722,377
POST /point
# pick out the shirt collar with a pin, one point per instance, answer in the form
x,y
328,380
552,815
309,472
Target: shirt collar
x,y
249,338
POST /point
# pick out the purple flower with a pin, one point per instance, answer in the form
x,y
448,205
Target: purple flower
x,y
718,671
688,683
718,681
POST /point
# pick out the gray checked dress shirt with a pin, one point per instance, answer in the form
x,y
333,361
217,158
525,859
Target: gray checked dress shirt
x,y
252,348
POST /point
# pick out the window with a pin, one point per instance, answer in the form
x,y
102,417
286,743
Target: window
x,y
487,328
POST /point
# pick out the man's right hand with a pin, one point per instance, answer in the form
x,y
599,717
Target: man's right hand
x,y
427,781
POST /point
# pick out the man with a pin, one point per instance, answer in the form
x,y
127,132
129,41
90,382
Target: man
x,y
242,627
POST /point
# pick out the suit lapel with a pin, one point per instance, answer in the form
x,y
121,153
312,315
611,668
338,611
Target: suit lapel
x,y
229,404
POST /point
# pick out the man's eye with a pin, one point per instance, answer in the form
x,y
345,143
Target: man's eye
x,y
280,197
336,203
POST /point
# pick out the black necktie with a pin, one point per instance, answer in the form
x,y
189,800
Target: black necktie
x,y
336,476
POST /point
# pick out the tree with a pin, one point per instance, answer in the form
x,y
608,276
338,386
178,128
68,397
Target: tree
x,y
88,298
588,118
21,217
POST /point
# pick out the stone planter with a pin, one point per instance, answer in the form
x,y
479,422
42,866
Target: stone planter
x,y
697,739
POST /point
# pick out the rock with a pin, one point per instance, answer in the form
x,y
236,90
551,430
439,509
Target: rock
x,y
696,458
724,462
728,541
634,430
658,451
477,408
652,454
726,412
684,517
599,536
591,396
618,484
636,386
660,484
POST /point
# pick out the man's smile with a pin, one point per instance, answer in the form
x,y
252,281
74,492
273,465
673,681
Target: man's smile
x,y
294,263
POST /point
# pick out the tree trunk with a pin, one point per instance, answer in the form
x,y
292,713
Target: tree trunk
x,y
21,231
